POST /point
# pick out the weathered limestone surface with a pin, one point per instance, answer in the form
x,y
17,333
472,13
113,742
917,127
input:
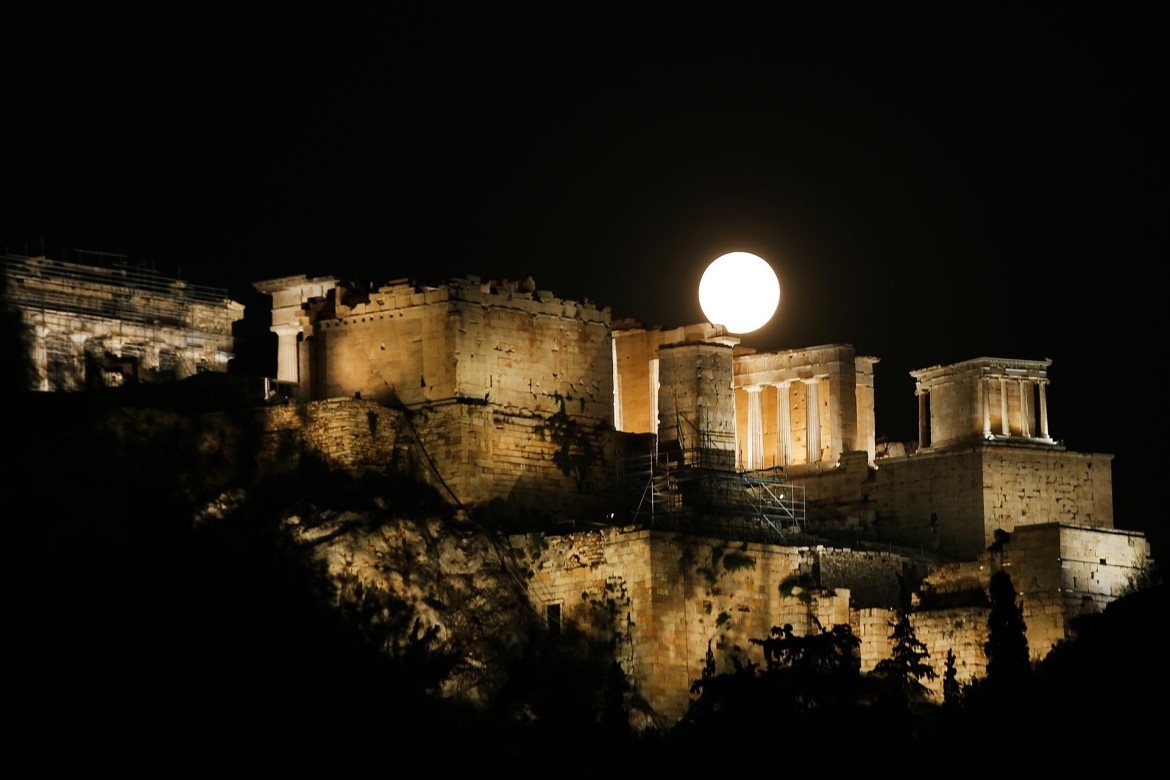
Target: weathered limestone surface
x,y
465,340
933,500
953,502
95,327
634,349
1029,486
489,452
1060,571
472,453
346,433
963,631
695,400
668,597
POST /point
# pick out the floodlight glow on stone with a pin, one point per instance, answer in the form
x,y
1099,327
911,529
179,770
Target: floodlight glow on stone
x,y
739,291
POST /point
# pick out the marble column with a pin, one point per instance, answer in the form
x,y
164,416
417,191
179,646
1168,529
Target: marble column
x,y
1043,412
654,388
783,425
985,404
812,411
286,352
923,422
1005,429
1025,427
755,429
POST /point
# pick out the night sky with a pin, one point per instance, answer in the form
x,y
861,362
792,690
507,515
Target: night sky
x,y
931,185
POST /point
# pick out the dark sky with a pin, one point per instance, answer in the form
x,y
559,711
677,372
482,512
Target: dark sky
x,y
930,184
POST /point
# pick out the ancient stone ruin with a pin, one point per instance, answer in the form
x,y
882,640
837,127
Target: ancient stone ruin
x,y
694,493
709,492
89,326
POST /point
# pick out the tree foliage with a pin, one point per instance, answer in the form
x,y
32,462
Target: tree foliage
x,y
907,667
1007,639
952,691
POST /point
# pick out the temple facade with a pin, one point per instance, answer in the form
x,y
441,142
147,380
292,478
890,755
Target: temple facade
x,y
88,326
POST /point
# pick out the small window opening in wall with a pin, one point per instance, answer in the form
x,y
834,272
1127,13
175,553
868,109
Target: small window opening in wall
x,y
553,616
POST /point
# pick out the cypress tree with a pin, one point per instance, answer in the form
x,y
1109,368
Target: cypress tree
x,y
1007,639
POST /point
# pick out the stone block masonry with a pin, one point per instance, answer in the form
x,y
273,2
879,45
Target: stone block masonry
x,y
667,597
954,502
473,453
493,342
92,327
346,433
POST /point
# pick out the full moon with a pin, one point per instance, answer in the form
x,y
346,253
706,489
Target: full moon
x,y
739,291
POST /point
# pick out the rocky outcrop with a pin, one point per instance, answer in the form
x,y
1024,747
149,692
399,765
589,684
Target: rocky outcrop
x,y
438,574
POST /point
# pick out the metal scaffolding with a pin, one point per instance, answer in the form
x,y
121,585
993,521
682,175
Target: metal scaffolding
x,y
698,490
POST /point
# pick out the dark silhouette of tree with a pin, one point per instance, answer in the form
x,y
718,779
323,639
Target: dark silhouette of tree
x,y
907,668
810,689
952,691
1007,640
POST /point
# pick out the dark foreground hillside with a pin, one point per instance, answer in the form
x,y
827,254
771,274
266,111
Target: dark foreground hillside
x,y
148,629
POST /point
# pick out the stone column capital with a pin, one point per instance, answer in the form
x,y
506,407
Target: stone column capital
x,y
288,329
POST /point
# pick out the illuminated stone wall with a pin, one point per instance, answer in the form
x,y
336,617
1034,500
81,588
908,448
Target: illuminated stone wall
x,y
933,500
963,631
1029,486
696,407
466,340
634,350
90,326
486,453
667,596
1061,571
482,366
953,502
472,453
345,433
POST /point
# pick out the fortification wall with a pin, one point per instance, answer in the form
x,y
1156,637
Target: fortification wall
x,y
963,631
954,502
478,453
1061,571
667,597
1031,486
395,349
523,357
872,578
934,500
465,340
485,452
839,495
346,433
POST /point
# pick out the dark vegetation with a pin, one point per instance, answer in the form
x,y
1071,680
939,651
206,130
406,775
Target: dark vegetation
x,y
142,634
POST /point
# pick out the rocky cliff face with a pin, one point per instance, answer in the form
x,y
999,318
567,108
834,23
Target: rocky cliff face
x,y
436,574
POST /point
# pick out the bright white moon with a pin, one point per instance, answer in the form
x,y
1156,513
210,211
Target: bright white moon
x,y
739,291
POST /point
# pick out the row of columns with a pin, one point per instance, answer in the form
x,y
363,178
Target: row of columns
x,y
754,455
1024,385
